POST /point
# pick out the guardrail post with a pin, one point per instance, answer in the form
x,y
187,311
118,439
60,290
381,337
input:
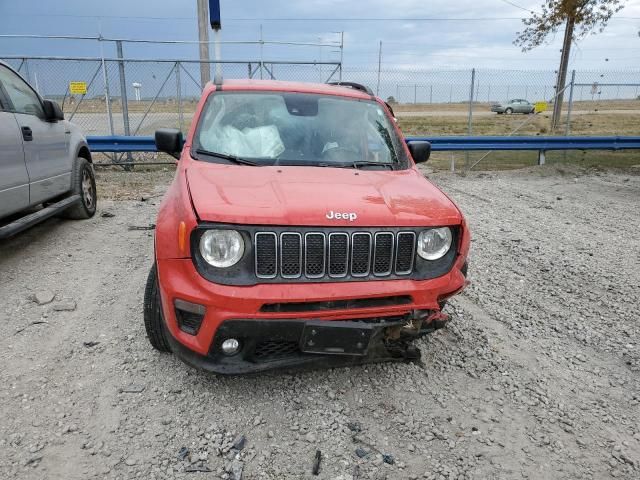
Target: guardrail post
x,y
541,157
123,95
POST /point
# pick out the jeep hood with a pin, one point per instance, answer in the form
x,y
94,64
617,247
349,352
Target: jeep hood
x,y
289,195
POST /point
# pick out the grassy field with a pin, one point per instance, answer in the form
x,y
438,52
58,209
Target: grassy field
x,y
540,124
585,124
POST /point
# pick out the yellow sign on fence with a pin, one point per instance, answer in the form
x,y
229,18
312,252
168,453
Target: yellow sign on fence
x,y
78,88
541,107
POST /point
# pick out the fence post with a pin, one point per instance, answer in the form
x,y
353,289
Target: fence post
x,y
431,94
179,95
470,128
379,67
415,93
261,52
341,55
123,95
573,81
26,70
107,95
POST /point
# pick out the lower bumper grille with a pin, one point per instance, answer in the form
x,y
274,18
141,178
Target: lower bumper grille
x,y
271,350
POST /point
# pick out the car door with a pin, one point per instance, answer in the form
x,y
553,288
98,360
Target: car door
x,y
14,180
45,144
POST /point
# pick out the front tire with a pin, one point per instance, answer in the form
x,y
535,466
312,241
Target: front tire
x,y
153,320
508,111
83,184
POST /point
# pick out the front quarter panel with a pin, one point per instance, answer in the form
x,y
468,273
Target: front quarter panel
x,y
175,208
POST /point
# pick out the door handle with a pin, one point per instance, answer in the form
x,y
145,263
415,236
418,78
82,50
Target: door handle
x,y
27,134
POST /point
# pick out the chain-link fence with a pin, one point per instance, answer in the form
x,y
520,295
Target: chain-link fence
x,y
164,93
157,93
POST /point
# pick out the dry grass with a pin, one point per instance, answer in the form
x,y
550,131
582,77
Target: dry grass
x,y
596,124
463,107
114,183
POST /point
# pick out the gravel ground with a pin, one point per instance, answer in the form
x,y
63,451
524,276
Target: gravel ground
x,y
537,375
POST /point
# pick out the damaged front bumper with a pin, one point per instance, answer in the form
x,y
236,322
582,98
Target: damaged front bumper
x,y
277,344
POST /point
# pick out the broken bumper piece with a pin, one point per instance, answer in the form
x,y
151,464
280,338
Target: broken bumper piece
x,y
283,344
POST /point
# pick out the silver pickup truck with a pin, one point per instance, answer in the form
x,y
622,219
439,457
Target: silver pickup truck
x,y
44,160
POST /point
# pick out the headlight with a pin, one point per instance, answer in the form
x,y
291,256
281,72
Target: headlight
x,y
434,243
221,248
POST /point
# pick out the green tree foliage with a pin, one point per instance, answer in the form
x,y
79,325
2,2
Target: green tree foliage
x,y
588,16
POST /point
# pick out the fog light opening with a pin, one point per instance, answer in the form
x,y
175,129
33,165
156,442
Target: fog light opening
x,y
189,316
230,346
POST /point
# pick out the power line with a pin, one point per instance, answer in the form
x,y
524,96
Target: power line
x,y
268,19
518,6
295,19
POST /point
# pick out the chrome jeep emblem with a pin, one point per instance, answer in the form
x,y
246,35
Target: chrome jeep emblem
x,y
351,216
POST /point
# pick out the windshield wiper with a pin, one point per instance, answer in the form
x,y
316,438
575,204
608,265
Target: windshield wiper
x,y
224,156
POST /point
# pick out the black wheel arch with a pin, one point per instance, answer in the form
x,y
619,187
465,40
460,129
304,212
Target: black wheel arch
x,y
84,152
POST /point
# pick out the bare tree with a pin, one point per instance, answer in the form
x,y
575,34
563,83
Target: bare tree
x,y
580,17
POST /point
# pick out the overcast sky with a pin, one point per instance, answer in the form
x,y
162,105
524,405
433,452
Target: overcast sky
x,y
416,34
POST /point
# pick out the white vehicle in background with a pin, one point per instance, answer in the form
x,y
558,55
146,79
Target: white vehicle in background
x,y
517,105
44,160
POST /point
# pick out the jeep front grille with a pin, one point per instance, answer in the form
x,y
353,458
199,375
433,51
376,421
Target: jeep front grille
x,y
315,255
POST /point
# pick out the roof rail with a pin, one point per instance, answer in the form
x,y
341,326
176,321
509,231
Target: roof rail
x,y
355,86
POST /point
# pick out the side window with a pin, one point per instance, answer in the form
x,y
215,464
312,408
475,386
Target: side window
x,y
23,98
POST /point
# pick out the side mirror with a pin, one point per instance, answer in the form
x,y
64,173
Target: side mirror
x,y
420,151
169,140
52,111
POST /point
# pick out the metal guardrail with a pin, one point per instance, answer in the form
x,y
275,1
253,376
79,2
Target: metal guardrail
x,y
121,144
465,143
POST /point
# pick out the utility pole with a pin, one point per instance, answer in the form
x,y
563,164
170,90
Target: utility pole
x,y
203,37
562,72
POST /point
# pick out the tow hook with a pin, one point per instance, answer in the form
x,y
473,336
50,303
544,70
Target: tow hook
x,y
437,320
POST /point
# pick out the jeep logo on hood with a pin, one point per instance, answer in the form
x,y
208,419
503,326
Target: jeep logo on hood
x,y
351,216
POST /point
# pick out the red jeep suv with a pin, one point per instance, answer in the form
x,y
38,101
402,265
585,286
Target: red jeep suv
x,y
299,232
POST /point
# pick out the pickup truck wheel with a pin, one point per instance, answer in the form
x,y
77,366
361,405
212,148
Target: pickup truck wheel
x,y
84,184
153,321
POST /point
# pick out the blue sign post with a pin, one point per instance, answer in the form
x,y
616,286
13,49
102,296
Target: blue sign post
x,y
214,14
216,24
